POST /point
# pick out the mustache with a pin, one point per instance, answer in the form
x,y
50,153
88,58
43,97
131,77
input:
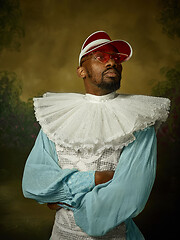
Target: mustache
x,y
113,70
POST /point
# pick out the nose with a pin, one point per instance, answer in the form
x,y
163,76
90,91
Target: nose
x,y
111,63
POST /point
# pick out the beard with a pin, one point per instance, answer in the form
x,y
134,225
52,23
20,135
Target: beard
x,y
112,85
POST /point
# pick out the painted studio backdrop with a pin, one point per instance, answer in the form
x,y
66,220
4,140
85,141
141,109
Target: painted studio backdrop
x,y
39,46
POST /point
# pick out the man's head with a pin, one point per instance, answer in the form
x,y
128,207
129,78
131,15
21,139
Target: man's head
x,y
100,63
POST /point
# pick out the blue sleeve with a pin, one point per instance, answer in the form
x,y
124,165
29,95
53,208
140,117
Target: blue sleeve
x,y
125,196
45,181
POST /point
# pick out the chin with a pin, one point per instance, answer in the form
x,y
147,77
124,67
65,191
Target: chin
x,y
110,85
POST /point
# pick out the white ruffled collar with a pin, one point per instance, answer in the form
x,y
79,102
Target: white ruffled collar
x,y
93,123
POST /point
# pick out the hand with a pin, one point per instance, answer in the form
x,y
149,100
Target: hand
x,y
55,206
103,176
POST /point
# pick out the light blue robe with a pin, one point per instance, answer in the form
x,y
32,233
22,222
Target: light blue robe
x,y
97,209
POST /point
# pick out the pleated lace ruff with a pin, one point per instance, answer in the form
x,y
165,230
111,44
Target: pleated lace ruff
x,y
95,123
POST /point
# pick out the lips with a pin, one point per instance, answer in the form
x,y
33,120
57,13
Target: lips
x,y
111,72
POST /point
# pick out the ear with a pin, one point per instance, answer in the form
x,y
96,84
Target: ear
x,y
81,72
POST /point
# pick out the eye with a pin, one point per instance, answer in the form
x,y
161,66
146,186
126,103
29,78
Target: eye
x,y
117,58
100,56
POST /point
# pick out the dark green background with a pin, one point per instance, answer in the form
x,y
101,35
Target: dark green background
x,y
39,46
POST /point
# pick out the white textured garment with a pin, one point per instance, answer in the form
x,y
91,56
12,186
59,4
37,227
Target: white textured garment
x,y
64,226
89,132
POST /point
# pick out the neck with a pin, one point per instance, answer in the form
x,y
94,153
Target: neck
x,y
96,90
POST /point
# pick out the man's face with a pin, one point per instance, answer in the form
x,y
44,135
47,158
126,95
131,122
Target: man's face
x,y
105,76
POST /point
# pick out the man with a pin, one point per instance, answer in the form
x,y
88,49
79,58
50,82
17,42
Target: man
x,y
94,160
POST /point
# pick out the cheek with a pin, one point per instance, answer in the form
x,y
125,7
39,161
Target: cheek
x,y
119,68
97,70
